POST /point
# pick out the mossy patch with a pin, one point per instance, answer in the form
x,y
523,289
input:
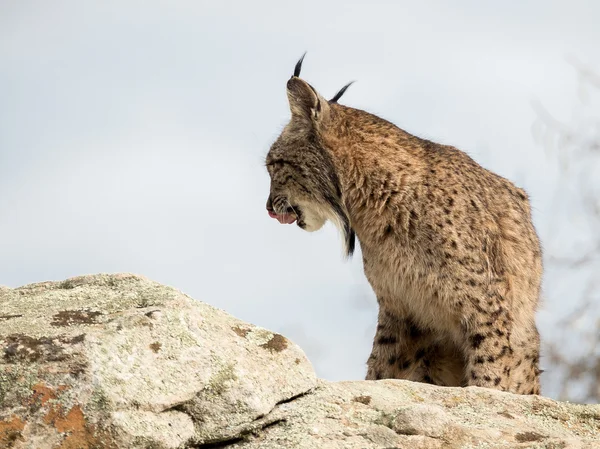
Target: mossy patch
x,y
526,437
20,347
277,343
218,383
16,383
362,399
71,317
99,401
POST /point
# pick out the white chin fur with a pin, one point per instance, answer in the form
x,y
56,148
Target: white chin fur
x,y
313,220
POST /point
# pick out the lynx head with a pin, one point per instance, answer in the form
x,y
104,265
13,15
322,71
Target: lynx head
x,y
305,186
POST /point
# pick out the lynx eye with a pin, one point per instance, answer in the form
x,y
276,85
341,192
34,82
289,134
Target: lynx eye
x,y
276,164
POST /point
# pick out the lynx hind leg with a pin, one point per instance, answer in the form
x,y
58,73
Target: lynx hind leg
x,y
401,350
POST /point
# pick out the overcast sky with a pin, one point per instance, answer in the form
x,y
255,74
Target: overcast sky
x,y
132,137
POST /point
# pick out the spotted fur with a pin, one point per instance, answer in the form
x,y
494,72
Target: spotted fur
x,y
448,246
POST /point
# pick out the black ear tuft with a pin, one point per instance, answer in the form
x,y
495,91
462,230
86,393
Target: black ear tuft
x,y
341,92
299,65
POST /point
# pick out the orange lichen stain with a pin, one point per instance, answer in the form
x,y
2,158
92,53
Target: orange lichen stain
x,y
78,433
10,431
42,393
72,422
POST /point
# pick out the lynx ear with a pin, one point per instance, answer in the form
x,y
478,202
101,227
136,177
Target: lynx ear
x,y
305,102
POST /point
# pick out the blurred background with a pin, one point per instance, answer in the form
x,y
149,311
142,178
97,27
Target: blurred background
x,y
133,134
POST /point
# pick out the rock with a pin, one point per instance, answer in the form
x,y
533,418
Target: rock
x,y
121,361
402,414
422,419
118,361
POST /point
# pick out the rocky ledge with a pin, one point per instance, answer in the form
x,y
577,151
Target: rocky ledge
x,y
119,361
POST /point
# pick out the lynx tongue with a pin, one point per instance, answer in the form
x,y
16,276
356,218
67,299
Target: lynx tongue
x,y
283,218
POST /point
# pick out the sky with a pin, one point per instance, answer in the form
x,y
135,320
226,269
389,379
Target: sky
x,y
133,135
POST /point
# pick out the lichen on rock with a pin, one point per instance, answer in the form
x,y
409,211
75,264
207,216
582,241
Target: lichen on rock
x,y
119,361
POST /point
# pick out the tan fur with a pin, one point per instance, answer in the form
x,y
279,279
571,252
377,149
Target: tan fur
x,y
448,246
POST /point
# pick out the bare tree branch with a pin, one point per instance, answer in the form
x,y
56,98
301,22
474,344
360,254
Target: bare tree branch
x,y
576,147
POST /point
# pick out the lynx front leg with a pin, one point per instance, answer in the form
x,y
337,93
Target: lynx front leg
x,y
524,369
402,350
394,348
487,355
490,353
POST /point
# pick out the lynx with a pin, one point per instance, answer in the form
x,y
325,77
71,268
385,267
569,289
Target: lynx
x,y
448,247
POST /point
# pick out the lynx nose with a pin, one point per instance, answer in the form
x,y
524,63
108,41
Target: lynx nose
x,y
269,204
270,209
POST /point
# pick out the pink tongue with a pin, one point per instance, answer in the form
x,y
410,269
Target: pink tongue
x,y
284,218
